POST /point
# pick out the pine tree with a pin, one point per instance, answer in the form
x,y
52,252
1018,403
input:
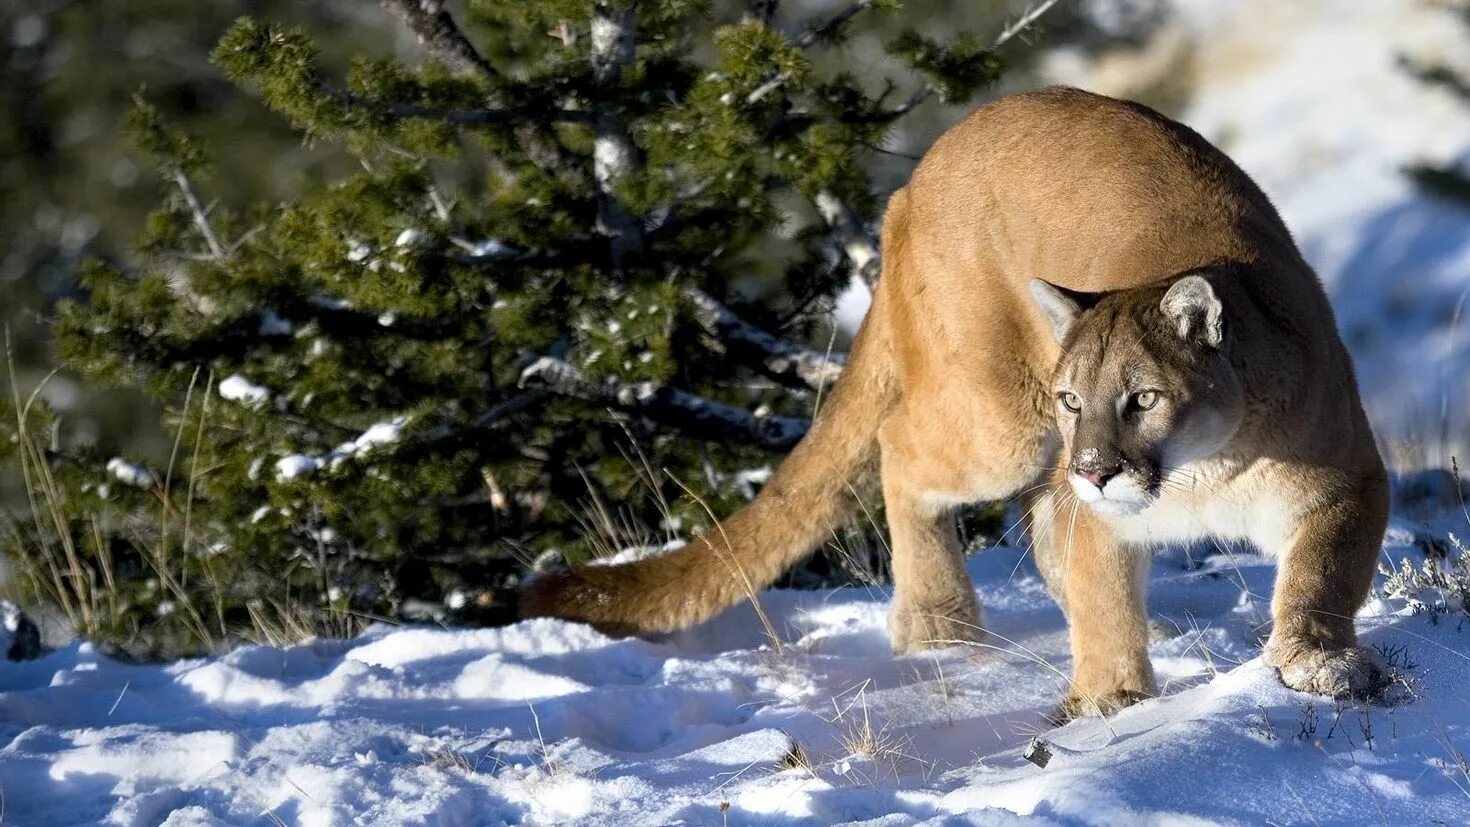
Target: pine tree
x,y
570,284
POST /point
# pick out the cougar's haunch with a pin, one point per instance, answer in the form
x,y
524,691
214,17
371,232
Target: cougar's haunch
x,y
1086,304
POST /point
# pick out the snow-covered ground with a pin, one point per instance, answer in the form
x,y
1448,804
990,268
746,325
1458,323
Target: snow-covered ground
x,y
549,722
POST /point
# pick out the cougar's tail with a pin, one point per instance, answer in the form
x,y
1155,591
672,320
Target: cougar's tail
x,y
812,493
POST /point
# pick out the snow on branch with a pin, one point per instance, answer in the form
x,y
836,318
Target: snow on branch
x,y
692,415
440,35
790,364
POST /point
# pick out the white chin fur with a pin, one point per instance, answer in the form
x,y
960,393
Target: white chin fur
x,y
1121,496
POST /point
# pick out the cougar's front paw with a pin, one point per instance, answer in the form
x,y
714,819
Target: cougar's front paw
x,y
1091,706
917,629
1351,672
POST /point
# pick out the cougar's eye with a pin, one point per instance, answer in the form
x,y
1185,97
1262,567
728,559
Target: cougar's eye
x,y
1146,400
1071,401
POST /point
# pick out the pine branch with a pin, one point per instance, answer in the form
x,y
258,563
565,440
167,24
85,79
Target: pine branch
x,y
693,416
810,36
396,110
792,365
440,35
1021,24
520,402
492,253
824,29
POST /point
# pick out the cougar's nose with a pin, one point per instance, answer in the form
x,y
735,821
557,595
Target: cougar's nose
x,y
1097,466
1098,478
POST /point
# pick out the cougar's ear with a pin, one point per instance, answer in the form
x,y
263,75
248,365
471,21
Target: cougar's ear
x,y
1061,305
1195,311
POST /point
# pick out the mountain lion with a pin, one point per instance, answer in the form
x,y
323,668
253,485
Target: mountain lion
x,y
1086,305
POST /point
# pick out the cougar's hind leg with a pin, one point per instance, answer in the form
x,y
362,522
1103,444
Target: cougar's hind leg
x,y
934,602
930,467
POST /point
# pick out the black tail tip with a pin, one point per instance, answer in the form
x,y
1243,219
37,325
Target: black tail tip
x,y
568,595
547,594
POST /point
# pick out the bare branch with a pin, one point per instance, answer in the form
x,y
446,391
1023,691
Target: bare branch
x,y
694,416
1031,15
440,35
201,217
790,364
514,405
923,93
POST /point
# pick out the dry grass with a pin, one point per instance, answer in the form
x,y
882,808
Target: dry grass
x,y
287,623
64,554
796,757
449,757
548,763
879,746
50,557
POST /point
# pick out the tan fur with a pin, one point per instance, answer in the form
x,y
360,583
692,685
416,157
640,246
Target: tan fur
x,y
958,383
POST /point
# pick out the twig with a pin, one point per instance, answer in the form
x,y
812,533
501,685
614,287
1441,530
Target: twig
x,y
201,216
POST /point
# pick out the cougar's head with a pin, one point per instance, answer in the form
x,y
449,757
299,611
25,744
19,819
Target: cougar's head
x,y
1143,386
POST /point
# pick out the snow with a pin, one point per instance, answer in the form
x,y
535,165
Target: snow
x,y
547,722
296,465
412,237
237,388
130,473
490,247
376,436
